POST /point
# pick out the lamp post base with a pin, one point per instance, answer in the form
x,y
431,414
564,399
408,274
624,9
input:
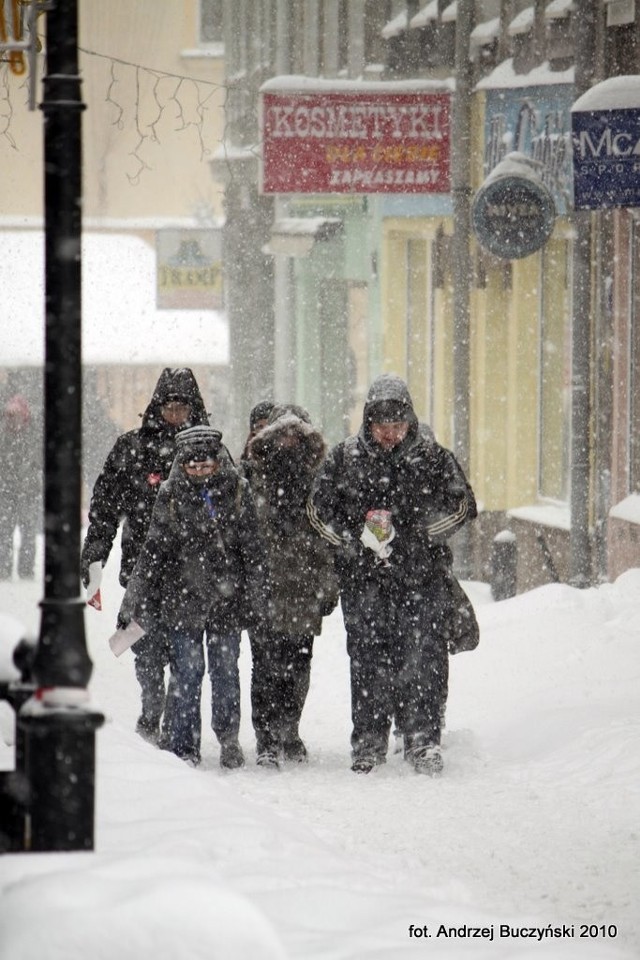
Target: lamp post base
x,y
59,765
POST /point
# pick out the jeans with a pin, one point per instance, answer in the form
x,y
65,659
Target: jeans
x,y
181,724
151,657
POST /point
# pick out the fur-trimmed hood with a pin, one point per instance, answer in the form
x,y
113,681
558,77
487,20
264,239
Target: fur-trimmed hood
x,y
289,426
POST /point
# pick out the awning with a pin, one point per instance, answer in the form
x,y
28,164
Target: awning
x,y
297,236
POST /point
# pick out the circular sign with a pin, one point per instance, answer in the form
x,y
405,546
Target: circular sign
x,y
513,216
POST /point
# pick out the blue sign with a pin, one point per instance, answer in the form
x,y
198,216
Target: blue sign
x,y
535,121
606,158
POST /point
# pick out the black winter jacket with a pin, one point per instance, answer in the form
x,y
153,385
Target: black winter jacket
x,y
419,481
140,460
203,562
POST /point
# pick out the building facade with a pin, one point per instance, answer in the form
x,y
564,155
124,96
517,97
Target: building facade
x,y
353,284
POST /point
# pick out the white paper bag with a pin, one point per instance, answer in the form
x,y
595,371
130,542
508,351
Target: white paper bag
x,y
123,638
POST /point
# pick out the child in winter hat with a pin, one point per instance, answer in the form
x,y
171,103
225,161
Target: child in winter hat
x,y
198,444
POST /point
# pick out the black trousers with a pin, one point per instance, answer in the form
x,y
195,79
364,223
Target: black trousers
x,y
396,640
280,675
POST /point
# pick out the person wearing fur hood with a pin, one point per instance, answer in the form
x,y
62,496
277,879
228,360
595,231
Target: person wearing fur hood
x,y
285,456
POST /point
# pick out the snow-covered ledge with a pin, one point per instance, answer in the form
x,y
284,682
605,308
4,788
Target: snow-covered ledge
x,y
544,514
628,509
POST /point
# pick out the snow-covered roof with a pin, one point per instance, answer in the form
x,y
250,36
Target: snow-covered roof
x,y
425,15
616,93
120,321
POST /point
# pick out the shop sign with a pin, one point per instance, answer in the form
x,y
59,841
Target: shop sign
x,y
189,269
513,215
606,158
535,121
364,139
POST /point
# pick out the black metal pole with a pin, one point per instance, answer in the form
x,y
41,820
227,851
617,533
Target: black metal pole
x,y
59,729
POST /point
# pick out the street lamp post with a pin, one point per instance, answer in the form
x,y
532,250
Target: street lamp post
x,y
57,725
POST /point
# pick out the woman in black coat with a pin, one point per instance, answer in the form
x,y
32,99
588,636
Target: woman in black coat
x,y
201,571
284,457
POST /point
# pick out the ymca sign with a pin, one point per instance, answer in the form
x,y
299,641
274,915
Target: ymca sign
x,y
355,137
605,125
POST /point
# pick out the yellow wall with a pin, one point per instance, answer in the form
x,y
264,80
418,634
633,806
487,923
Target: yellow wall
x,y
417,320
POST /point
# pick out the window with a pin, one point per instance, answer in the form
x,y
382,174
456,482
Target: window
x,y
211,21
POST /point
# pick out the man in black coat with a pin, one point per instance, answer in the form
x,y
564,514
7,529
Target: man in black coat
x,y
125,492
388,499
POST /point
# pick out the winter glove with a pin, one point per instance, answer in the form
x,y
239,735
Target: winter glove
x,y
378,533
91,554
94,598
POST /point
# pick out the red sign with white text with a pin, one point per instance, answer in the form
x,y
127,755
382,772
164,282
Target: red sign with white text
x,y
347,142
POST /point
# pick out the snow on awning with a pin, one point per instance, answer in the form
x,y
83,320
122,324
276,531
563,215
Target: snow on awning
x,y
616,93
522,23
559,9
450,13
396,26
120,321
423,17
297,236
627,509
485,32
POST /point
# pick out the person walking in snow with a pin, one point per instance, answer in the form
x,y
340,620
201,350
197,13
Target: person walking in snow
x,y
388,499
258,418
20,486
284,457
125,492
201,571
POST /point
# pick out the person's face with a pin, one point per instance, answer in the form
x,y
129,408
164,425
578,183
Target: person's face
x,y
258,425
176,412
199,469
389,435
